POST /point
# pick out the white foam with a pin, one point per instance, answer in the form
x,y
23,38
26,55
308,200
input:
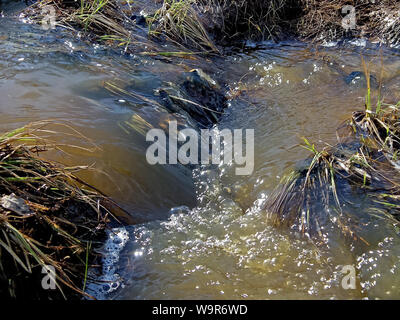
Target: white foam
x,y
329,44
110,280
359,42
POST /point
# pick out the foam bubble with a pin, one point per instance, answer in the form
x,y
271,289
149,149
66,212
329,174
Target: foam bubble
x,y
110,280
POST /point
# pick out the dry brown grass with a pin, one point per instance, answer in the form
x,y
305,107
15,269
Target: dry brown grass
x,y
322,19
57,221
204,24
99,20
248,19
307,19
179,21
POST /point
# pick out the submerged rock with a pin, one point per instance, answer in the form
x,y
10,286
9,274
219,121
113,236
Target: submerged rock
x,y
140,20
198,97
206,90
357,79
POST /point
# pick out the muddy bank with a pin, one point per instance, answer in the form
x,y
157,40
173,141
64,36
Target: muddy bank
x,y
210,26
230,22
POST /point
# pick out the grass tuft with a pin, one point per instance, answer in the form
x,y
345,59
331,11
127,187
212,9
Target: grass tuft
x,y
364,164
179,21
48,217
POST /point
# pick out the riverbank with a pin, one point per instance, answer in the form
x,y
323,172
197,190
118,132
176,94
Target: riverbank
x,y
51,222
211,26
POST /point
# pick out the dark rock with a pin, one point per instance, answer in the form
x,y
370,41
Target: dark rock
x,y
72,3
140,20
199,97
357,79
177,101
200,86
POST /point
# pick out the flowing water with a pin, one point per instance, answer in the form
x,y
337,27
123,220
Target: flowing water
x,y
200,233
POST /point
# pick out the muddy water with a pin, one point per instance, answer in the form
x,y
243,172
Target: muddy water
x,y
51,76
202,234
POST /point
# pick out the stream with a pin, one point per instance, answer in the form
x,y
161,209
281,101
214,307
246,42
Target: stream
x,y
200,233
